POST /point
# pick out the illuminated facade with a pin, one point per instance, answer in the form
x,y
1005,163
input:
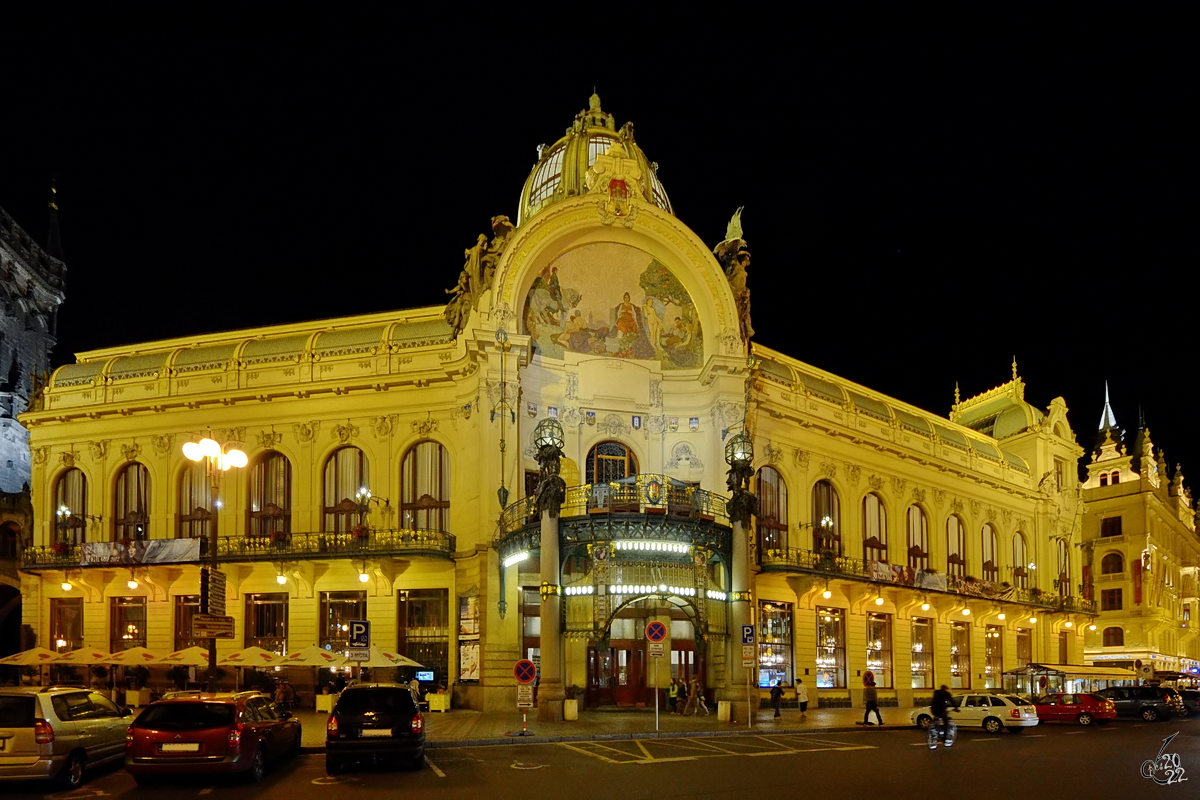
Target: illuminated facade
x,y
1140,537
394,461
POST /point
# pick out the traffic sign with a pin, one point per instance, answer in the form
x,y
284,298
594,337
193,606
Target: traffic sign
x,y
524,695
747,634
747,655
360,633
212,591
525,671
209,626
656,631
657,649
358,655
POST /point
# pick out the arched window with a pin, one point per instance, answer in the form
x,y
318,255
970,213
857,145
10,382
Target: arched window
x,y
827,518
70,507
131,518
270,510
195,501
1114,637
918,538
1116,478
990,552
1020,561
772,521
1112,564
1104,479
874,529
1064,569
956,547
345,476
425,488
610,461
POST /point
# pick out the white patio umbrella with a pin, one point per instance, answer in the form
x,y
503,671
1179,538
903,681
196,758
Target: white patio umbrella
x,y
250,657
188,657
312,656
26,658
382,658
133,657
84,655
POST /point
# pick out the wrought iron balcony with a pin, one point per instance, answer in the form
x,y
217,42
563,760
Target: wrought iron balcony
x,y
273,547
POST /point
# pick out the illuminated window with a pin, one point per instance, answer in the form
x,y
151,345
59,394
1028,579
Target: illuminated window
x,y
127,618
772,520
70,507
956,547
66,624
187,606
132,503
874,529
918,538
774,643
345,475
827,519
922,653
1114,637
598,146
424,629
1024,646
267,621
879,648
831,648
270,495
195,501
548,176
1110,600
960,655
338,609
1020,561
991,562
425,488
993,667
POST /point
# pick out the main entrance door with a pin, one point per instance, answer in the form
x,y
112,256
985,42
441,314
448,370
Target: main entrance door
x,y
622,673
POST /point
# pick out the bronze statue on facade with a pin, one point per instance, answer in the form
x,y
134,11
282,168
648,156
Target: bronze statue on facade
x,y
734,257
743,504
551,488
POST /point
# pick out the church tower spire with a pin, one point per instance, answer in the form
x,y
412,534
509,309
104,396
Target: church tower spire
x,y
1107,419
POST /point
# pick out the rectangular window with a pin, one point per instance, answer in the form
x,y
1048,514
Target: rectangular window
x,y
423,630
1024,647
186,607
879,648
1110,526
960,655
1064,647
267,621
774,643
922,653
1110,599
993,668
831,648
337,610
127,616
66,623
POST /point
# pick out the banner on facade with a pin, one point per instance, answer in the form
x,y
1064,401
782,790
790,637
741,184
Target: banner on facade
x,y
153,551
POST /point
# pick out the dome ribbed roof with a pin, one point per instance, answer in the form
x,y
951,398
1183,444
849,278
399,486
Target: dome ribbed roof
x,y
562,167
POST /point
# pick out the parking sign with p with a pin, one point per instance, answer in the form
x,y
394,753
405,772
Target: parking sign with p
x,y
360,633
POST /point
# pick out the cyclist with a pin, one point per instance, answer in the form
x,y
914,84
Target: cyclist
x,y
941,709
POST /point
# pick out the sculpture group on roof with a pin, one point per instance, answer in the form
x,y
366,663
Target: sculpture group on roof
x,y
476,277
734,257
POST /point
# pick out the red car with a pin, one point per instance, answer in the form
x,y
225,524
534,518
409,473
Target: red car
x,y
207,734
1082,708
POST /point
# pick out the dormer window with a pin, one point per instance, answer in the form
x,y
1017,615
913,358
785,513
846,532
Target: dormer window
x,y
1104,479
1116,478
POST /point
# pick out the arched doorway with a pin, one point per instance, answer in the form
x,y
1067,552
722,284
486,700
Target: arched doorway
x,y
620,670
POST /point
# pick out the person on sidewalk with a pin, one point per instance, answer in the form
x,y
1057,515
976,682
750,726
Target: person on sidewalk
x,y
695,699
673,696
777,699
870,699
802,698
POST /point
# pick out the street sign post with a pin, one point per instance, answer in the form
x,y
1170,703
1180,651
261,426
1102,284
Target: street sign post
x,y
524,695
748,665
358,655
655,633
212,591
525,671
210,626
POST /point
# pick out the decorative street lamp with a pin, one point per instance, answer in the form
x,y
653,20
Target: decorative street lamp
x,y
551,489
739,455
739,451
217,459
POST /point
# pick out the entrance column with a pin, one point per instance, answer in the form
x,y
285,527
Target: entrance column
x,y
739,454
551,490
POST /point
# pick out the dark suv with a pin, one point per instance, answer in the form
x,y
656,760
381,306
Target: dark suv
x,y
1148,702
374,723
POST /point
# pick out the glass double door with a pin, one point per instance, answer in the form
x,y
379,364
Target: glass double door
x,y
622,674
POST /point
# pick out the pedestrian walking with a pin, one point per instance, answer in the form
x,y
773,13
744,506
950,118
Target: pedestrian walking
x,y
870,699
673,696
802,698
777,699
695,699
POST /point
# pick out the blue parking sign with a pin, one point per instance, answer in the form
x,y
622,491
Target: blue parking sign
x,y
360,633
747,634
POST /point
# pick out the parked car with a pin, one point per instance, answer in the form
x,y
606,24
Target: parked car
x,y
374,723
1080,707
1191,700
1148,702
992,712
210,734
57,732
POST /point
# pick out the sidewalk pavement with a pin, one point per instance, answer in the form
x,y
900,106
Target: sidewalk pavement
x,y
465,728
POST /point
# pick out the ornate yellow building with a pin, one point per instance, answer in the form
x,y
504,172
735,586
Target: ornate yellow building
x,y
394,476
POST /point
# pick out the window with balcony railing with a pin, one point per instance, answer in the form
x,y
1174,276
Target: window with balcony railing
x,y
827,519
772,520
918,538
425,488
346,475
70,506
270,506
131,506
990,553
874,529
956,547
1020,561
195,501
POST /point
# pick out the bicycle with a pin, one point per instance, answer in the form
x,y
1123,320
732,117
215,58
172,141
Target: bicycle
x,y
934,732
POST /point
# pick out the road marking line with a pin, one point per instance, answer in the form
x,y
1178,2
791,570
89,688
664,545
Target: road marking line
x,y
642,747
1035,736
434,767
1072,733
987,739
591,753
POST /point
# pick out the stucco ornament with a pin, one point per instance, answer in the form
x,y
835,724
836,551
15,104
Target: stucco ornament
x,y
619,180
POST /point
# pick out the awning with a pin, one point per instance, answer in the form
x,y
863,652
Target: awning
x,y
1076,671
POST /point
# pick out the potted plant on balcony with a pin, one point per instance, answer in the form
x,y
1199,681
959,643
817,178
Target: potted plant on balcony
x,y
571,702
61,548
361,533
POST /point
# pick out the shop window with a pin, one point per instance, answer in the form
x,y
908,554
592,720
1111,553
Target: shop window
x,y
772,520
66,624
187,606
425,488
1114,637
960,655
827,519
918,538
346,475
879,648
267,621
774,643
132,503
127,616
1024,647
270,496
993,667
423,630
922,653
338,609
874,529
831,648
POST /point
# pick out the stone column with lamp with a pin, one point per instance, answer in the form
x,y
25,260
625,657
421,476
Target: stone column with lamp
x,y
551,490
743,505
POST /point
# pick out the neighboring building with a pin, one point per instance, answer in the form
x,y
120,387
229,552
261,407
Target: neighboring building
x,y
1139,535
884,533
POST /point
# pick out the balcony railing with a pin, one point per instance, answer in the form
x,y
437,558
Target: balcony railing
x,y
881,572
274,547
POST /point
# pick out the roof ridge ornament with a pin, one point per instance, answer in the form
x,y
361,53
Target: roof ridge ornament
x,y
620,178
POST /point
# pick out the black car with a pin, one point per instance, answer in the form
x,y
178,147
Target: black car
x,y
1148,702
374,723
1191,699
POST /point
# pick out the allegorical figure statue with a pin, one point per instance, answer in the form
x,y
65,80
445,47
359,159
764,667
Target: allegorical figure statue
x,y
458,310
551,488
734,257
477,273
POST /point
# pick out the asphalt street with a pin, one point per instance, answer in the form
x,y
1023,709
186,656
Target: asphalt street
x,y
1054,760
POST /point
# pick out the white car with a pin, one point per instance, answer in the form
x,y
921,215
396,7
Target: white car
x,y
992,712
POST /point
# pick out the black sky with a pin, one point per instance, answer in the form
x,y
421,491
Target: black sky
x,y
922,203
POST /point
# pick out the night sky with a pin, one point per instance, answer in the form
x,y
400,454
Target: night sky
x,y
920,208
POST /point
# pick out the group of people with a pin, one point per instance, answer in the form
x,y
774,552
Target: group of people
x,y
801,698
691,692
285,695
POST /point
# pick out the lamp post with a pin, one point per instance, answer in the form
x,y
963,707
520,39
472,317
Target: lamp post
x,y
217,460
739,455
551,490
